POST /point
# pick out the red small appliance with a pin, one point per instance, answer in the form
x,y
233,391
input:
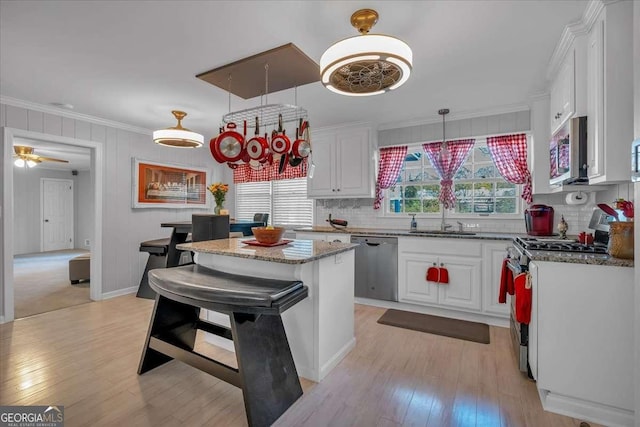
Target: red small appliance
x,y
539,220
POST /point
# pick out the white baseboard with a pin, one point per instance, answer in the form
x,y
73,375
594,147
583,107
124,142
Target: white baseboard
x,y
337,358
119,292
488,319
584,410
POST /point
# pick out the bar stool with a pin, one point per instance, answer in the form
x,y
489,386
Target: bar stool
x,y
157,250
266,372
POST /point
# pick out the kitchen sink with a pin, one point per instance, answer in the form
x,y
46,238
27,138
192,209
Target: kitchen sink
x,y
440,232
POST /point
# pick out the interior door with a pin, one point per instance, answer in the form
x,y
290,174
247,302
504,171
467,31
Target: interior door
x,y
57,214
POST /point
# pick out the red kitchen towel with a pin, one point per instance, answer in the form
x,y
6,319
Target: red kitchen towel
x,y
444,275
522,284
506,282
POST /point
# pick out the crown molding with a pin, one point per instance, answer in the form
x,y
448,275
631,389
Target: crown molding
x,y
15,102
539,97
471,114
571,31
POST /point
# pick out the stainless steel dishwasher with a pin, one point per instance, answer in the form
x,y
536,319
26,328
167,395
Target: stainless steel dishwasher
x,y
376,267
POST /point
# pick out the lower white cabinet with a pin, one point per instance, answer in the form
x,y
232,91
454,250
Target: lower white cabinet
x,y
310,236
492,256
327,237
462,291
581,340
474,266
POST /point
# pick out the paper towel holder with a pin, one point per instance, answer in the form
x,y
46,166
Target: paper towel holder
x,y
577,198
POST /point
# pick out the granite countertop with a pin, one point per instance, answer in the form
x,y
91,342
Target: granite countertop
x,y
579,258
407,233
551,256
296,252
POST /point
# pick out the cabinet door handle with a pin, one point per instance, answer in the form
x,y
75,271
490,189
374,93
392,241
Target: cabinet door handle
x,y
333,189
338,189
442,264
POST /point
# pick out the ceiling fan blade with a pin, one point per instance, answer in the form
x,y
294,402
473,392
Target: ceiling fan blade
x,y
50,159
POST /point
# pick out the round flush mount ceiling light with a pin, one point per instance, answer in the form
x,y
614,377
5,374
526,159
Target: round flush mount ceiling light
x,y
368,64
178,136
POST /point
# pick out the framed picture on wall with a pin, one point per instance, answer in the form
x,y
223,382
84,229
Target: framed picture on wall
x,y
161,185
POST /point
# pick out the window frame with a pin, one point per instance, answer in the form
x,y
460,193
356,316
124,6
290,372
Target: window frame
x,y
417,148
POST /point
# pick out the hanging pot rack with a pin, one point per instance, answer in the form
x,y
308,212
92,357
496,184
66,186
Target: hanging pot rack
x,y
268,114
233,148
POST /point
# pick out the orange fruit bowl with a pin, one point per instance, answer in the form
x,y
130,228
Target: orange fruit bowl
x,y
268,235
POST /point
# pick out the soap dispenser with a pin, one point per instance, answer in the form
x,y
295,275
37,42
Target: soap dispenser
x,y
414,224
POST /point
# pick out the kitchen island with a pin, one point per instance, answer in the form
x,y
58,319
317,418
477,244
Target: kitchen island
x,y
320,329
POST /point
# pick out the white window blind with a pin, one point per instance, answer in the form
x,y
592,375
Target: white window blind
x,y
285,201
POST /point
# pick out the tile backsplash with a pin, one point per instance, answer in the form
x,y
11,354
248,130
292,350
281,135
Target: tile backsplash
x,y
360,213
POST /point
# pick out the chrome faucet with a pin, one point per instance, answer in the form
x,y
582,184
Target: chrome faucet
x,y
444,226
460,226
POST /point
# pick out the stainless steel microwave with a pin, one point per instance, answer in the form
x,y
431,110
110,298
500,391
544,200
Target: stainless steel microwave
x,y
568,153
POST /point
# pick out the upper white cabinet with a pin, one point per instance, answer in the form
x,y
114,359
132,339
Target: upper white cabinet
x,y
562,94
610,98
343,164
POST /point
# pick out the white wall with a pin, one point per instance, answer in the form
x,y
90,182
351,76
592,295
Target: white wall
x,y
84,209
496,124
123,227
27,206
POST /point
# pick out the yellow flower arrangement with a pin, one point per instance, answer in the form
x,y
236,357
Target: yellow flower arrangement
x,y
219,191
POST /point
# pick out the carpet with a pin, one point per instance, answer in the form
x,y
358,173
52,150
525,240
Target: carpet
x,y
41,282
454,328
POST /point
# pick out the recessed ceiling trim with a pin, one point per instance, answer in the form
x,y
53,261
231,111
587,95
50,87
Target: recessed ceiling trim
x,y
288,67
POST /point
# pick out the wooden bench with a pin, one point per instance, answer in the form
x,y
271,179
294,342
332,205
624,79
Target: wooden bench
x,y
266,372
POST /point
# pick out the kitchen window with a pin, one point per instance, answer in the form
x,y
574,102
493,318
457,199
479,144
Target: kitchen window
x,y
285,201
478,186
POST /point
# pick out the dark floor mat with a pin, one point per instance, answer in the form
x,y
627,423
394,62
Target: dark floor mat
x,y
454,328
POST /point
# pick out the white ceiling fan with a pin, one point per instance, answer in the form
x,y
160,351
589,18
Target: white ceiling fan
x,y
24,156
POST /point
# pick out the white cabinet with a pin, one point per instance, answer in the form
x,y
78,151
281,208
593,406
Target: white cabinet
x,y
462,260
492,256
327,237
474,267
581,339
336,237
310,236
609,100
344,164
562,96
462,291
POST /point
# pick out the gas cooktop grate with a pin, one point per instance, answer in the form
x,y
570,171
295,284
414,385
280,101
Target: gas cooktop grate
x,y
534,245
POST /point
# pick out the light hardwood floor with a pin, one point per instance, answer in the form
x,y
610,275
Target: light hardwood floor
x,y
85,358
41,282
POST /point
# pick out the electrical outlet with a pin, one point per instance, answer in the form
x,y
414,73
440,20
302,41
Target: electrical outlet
x,y
87,242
